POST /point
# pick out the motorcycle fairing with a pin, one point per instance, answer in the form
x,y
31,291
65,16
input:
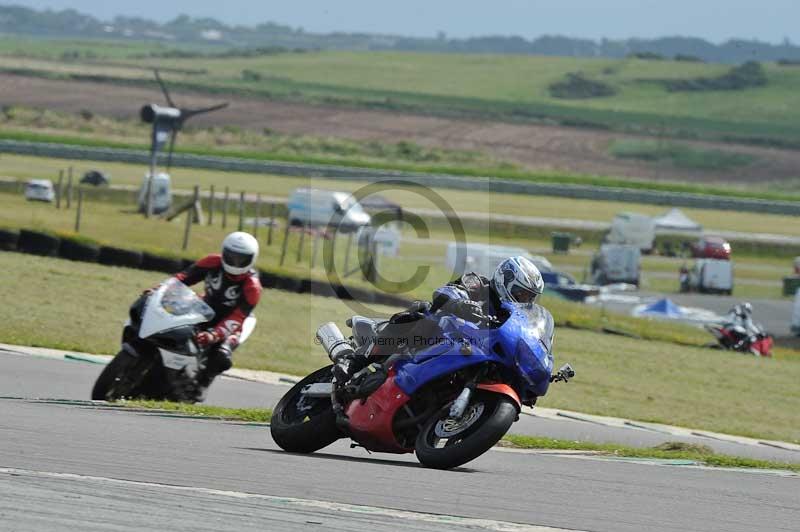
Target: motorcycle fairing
x,y
524,339
172,305
178,361
370,420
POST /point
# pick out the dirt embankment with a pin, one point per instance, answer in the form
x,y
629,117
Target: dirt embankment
x,y
537,147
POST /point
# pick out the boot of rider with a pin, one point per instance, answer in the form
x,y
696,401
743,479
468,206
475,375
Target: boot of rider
x,y
219,360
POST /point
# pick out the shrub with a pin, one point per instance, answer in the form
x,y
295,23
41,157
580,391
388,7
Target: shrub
x,y
577,86
647,56
250,75
688,58
748,75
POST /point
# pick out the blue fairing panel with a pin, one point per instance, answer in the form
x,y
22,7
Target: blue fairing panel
x,y
413,374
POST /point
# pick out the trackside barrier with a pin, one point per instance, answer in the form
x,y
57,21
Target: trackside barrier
x,y
83,250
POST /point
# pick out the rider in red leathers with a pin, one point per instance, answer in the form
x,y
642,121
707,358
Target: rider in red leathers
x,y
232,291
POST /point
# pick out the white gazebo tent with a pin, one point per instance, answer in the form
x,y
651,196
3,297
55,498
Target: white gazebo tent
x,y
676,222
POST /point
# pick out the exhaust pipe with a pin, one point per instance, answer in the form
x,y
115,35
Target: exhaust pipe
x,y
334,342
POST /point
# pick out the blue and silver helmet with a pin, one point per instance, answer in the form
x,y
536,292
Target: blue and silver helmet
x,y
517,280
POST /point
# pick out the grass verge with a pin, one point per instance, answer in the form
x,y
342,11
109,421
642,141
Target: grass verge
x,y
251,415
666,451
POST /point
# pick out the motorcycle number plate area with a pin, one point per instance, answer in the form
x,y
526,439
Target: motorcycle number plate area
x,y
176,361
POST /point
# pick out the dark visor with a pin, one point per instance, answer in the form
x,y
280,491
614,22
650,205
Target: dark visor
x,y
523,295
236,259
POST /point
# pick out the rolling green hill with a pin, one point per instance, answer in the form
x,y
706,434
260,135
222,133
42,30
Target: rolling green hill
x,y
493,86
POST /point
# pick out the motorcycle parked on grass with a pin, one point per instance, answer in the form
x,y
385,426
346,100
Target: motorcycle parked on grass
x,y
449,402
159,358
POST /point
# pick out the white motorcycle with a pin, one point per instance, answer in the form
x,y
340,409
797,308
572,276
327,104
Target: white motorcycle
x,y
159,358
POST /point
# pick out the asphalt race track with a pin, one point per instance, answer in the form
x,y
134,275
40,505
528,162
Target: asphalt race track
x,y
75,465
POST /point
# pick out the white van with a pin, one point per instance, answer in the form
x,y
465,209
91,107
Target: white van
x,y
321,208
629,228
796,314
40,190
162,193
712,276
616,264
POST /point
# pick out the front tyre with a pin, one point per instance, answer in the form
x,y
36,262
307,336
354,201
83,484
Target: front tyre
x,y
445,443
120,378
303,424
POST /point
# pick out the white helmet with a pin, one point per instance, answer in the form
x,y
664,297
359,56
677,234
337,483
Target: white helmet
x,y
517,280
239,253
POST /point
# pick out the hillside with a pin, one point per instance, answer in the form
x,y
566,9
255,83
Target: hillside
x,y
663,98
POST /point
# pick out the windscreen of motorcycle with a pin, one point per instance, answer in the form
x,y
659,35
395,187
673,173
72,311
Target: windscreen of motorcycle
x,y
173,305
540,324
534,358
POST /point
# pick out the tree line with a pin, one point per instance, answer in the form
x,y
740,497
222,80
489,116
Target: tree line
x,y
185,29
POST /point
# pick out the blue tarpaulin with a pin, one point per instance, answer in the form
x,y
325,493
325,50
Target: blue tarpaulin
x,y
663,307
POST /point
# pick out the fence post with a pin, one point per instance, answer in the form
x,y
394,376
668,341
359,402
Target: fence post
x,y
211,206
258,215
69,189
285,242
271,223
225,209
347,254
302,240
241,210
190,217
78,213
314,249
60,188
329,252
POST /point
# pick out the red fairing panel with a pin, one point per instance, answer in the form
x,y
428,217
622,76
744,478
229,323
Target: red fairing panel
x,y
371,420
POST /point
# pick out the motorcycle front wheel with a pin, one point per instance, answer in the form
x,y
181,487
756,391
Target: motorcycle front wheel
x,y
301,424
121,377
445,443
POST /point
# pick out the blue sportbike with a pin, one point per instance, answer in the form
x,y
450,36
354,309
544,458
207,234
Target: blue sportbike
x,y
449,401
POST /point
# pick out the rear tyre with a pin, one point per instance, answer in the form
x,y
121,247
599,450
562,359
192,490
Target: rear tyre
x,y
157,263
303,425
79,251
112,256
121,378
444,443
8,240
38,243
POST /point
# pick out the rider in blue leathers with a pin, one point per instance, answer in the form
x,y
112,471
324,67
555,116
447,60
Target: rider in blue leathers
x,y
470,297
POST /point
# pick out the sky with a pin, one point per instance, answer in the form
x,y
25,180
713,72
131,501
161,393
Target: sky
x,y
714,20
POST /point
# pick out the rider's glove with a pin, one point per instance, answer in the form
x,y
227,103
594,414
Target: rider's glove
x,y
149,291
467,309
420,306
206,338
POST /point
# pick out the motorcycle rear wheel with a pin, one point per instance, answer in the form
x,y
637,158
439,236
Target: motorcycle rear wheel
x,y
444,443
304,425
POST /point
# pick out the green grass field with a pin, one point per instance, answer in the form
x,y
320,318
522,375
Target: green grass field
x,y
483,85
21,167
57,303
